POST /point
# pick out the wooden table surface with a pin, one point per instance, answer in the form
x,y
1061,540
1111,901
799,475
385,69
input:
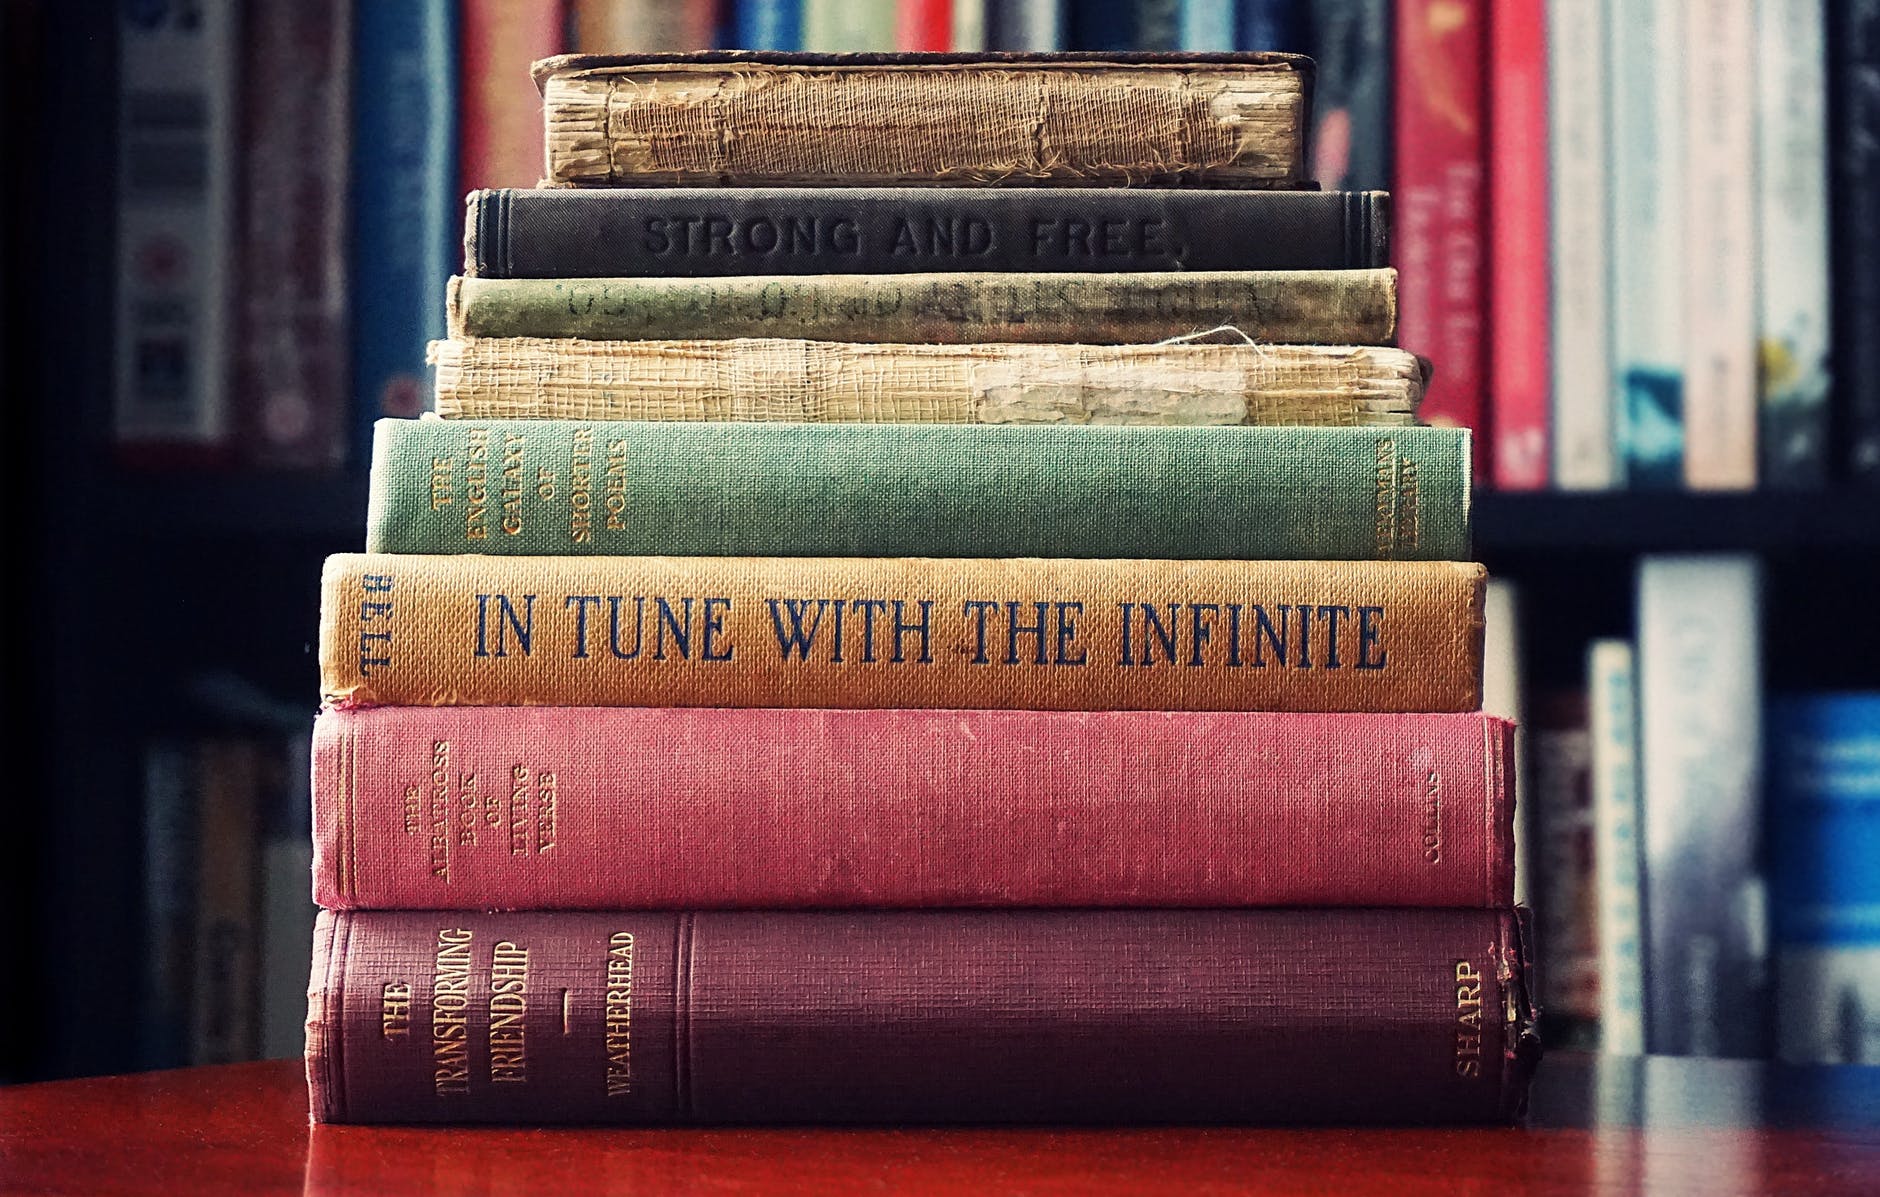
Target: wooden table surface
x,y
1618,1126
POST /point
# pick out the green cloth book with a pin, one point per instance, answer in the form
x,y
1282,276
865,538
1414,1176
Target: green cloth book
x,y
553,487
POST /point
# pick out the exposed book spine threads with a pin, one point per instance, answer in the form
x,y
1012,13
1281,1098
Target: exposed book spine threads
x,y
769,808
915,1017
542,487
901,632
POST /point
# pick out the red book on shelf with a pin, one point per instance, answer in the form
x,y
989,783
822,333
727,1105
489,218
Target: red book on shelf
x,y
1520,376
924,25
675,808
1051,1016
500,124
1440,203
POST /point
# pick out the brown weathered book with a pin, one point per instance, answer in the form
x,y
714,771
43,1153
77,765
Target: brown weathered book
x,y
1323,307
1067,119
841,382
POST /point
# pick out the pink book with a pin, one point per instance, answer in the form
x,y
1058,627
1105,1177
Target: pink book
x,y
663,808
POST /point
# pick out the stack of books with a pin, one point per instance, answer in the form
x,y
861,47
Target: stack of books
x,y
922,599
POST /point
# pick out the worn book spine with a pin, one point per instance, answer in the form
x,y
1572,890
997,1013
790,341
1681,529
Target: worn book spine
x,y
688,232
800,808
1319,1016
988,382
500,116
872,632
542,487
1579,168
290,355
404,148
749,121
1442,188
1326,307
1854,195
1518,268
1792,262
1720,250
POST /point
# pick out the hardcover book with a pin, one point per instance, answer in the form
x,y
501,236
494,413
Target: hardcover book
x,y
1326,307
1027,633
1083,119
1317,1016
989,382
676,808
1581,173
1519,268
686,232
1853,44
1612,692
543,487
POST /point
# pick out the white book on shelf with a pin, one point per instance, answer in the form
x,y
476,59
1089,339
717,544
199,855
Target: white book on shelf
x,y
1720,406
1700,690
176,173
1580,167
1612,710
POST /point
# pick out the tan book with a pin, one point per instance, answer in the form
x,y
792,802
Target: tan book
x,y
1325,307
1067,119
831,381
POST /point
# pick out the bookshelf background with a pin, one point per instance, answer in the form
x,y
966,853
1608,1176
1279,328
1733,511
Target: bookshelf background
x,y
174,604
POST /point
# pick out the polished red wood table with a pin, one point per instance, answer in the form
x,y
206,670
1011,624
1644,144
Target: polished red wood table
x,y
1619,1126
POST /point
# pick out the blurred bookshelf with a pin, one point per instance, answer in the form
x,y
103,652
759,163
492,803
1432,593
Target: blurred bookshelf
x,y
177,605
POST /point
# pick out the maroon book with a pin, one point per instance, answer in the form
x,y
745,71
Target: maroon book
x,y
1303,1016
538,808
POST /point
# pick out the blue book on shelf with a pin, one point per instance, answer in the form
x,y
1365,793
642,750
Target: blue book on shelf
x,y
1269,25
1207,24
1824,838
407,216
1103,25
767,24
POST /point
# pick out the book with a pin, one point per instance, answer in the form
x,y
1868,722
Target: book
x,y
643,26
535,487
1720,251
1824,833
1326,307
1699,671
1441,196
1566,942
290,352
1651,205
169,904
767,25
1792,285
403,170
226,1013
1015,25
1269,24
177,176
922,25
1612,692
919,1017
837,26
287,909
1210,25
1503,695
768,378
501,114
1519,367
796,808
1086,119
687,232
1853,52
470,630
1350,42
1585,452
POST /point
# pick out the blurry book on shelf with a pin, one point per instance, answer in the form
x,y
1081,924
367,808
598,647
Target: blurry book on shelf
x,y
834,26
226,1012
1440,198
1699,667
659,26
1516,278
1824,835
405,236
767,25
1566,932
1503,696
923,25
500,115
1612,702
1853,39
1582,406
291,358
176,236
1351,43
